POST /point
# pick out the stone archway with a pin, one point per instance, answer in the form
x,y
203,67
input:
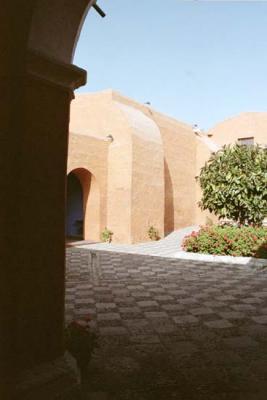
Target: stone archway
x,y
37,81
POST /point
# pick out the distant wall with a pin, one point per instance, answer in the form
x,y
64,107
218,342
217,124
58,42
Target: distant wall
x,y
133,161
91,154
144,163
179,146
250,124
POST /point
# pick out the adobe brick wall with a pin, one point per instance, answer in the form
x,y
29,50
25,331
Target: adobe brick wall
x,y
243,125
90,154
179,148
146,175
134,192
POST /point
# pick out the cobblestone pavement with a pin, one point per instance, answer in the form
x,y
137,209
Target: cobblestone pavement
x,y
165,247
170,329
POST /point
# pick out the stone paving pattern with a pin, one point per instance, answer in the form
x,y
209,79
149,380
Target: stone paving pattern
x,y
170,329
165,247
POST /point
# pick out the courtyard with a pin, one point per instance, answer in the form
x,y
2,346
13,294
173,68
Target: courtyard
x,y
167,328
170,328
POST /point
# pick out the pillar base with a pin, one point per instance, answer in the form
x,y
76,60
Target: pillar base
x,y
56,380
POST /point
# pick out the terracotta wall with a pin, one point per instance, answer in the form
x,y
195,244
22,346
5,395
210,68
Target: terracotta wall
x,y
147,205
129,167
90,154
179,146
146,173
249,124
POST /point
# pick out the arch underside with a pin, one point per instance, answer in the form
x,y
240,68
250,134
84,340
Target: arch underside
x,y
56,27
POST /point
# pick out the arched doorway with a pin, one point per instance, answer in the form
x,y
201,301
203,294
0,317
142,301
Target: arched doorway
x,y
74,208
82,205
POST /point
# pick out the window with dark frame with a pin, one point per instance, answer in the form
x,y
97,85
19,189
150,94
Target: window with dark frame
x,y
246,141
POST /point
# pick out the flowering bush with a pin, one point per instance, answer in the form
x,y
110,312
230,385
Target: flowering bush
x,y
243,241
80,341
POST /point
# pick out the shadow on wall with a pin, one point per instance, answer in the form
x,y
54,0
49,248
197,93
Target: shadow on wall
x,y
169,206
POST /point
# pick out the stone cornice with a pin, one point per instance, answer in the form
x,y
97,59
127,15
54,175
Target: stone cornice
x,y
66,76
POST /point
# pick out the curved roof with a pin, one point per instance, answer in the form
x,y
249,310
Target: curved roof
x,y
94,114
247,124
100,114
143,127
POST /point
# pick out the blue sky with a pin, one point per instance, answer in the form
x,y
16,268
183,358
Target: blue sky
x,y
198,61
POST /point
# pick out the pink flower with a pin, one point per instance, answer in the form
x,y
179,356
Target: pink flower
x,y
193,234
79,323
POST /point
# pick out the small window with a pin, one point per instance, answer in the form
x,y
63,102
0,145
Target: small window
x,y
248,141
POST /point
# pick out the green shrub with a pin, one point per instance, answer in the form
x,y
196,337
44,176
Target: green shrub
x,y
243,241
234,184
106,235
153,233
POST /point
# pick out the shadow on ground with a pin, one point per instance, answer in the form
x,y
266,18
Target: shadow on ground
x,y
171,329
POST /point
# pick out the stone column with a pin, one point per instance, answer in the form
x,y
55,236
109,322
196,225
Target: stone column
x,y
39,162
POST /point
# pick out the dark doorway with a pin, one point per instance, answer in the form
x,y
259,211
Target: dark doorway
x,y
74,208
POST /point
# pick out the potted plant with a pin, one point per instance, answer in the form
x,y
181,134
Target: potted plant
x,y
81,341
153,233
106,235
